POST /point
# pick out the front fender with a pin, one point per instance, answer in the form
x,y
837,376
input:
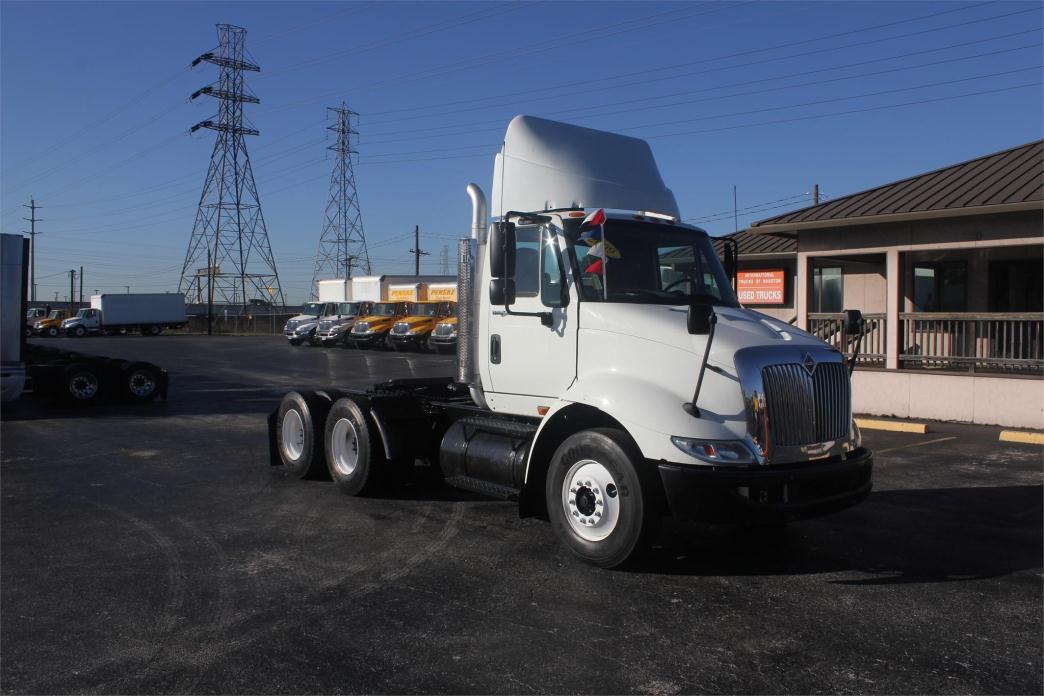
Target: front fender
x,y
650,413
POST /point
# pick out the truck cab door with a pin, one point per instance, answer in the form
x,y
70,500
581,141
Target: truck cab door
x,y
530,365
93,319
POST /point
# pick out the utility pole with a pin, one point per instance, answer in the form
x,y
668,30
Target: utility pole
x,y
416,250
72,287
735,211
815,194
444,260
128,288
32,220
81,284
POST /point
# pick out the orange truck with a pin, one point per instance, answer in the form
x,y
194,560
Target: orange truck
x,y
415,330
372,330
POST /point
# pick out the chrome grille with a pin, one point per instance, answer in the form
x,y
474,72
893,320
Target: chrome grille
x,y
401,328
806,409
361,327
444,330
326,324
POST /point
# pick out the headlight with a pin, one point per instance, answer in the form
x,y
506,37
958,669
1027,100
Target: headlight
x,y
856,436
715,451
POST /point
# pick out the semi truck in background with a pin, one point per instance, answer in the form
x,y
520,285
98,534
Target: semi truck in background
x,y
65,375
116,313
606,374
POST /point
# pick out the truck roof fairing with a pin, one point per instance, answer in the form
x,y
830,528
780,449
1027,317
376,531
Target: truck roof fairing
x,y
547,164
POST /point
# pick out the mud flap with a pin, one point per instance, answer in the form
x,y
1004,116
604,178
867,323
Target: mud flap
x,y
273,451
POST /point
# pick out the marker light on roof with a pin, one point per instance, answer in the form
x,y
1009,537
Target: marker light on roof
x,y
659,216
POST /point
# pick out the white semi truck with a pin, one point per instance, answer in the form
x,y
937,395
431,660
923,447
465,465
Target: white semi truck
x,y
606,374
120,313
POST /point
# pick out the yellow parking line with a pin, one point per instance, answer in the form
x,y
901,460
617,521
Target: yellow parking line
x,y
895,426
1022,436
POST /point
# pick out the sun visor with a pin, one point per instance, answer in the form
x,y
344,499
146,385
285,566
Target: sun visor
x,y
547,164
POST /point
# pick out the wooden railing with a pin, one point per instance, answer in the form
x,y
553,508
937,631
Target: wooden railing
x,y
830,327
1004,342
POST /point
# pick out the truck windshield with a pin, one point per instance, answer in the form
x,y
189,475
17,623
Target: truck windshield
x,y
82,314
349,308
424,310
648,263
57,314
385,309
313,308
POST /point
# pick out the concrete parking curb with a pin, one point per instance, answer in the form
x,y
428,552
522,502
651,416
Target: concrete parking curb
x,y
895,426
1022,436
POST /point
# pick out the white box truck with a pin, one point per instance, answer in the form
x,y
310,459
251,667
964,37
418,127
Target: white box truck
x,y
606,374
118,313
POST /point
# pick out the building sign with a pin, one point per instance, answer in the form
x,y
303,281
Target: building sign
x,y
763,286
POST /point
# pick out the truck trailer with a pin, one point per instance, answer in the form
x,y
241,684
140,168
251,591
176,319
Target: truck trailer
x,y
66,376
606,374
116,313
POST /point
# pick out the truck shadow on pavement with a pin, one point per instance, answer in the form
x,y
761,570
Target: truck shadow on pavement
x,y
894,537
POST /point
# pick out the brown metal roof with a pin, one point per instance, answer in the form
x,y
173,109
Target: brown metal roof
x,y
758,243
1008,178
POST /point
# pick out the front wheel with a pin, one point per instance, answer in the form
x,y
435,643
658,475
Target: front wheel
x,y
79,332
600,502
300,421
52,331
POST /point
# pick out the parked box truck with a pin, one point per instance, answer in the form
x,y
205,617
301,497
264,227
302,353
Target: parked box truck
x,y
116,313
591,387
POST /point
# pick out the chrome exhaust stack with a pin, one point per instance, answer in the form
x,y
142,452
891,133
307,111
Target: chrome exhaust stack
x,y
467,300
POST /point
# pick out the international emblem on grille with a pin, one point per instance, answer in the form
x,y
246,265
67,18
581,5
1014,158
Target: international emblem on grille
x,y
810,363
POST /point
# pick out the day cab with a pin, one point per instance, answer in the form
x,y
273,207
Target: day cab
x,y
335,328
372,330
444,337
606,374
51,325
417,327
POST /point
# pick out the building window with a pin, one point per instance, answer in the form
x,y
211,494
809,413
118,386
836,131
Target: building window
x,y
940,287
1016,286
827,289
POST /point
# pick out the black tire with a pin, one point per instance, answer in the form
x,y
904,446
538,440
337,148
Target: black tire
x,y
386,342
28,332
153,330
139,381
636,514
295,341
313,340
354,454
82,384
396,346
52,331
79,332
299,433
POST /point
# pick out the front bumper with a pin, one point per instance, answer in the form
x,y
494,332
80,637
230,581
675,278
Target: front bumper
x,y
408,339
364,340
767,494
444,340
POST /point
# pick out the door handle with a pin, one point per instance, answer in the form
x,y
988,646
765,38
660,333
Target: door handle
x,y
494,349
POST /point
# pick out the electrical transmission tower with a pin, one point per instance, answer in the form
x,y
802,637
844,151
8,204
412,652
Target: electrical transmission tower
x,y
229,254
342,245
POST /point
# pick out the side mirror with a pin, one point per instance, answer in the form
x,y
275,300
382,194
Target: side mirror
x,y
501,292
853,322
730,252
699,319
502,250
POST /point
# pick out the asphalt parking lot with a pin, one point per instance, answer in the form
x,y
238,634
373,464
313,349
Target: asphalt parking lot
x,y
154,550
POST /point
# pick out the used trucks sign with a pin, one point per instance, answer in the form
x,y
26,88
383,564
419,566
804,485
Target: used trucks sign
x,y
763,286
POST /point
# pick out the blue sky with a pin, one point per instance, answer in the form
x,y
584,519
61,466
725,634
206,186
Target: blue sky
x,y
767,96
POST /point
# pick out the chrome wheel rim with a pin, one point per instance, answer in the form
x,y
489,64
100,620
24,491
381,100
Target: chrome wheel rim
x,y
141,383
344,446
590,500
83,385
293,435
